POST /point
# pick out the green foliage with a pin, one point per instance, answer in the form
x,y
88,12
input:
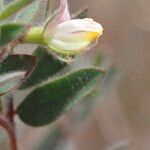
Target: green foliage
x,y
46,103
27,14
10,32
50,98
18,62
53,92
12,71
13,8
46,67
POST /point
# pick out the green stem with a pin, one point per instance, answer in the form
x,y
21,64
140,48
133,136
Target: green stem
x,y
35,35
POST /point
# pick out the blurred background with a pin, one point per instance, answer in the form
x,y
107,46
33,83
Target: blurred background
x,y
116,116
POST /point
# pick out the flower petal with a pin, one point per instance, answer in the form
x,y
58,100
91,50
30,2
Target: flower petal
x,y
74,35
61,16
78,25
72,43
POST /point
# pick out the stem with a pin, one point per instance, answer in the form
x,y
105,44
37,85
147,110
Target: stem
x,y
47,8
9,109
8,121
1,105
10,130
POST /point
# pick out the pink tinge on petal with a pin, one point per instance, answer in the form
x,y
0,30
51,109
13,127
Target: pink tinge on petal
x,y
62,15
64,11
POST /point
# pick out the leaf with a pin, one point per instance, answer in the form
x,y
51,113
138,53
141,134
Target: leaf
x,y
10,32
27,14
46,67
46,103
13,71
10,80
13,7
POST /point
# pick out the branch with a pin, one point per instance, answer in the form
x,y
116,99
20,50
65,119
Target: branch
x,y
10,130
8,109
9,113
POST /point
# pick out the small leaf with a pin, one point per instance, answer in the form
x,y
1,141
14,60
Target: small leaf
x,y
13,7
27,14
49,101
46,67
10,32
9,81
13,70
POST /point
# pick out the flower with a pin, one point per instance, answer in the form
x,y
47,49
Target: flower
x,y
71,36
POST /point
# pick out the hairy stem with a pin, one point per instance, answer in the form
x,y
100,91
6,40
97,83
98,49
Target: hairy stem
x,y
48,8
11,133
1,105
8,114
8,121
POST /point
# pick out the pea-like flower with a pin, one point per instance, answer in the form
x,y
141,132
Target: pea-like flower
x,y
71,36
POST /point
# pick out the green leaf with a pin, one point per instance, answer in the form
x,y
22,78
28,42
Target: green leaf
x,y
13,7
13,70
10,32
46,67
46,103
27,14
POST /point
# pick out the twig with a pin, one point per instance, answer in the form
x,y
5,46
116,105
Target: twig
x,y
10,130
9,110
7,120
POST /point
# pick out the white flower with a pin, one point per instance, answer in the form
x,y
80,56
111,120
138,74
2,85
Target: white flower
x,y
71,36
